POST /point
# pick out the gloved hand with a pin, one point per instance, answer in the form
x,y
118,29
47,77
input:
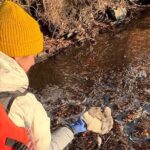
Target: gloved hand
x,y
98,121
79,126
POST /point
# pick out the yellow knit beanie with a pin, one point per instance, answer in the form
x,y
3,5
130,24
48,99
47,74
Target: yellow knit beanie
x,y
20,34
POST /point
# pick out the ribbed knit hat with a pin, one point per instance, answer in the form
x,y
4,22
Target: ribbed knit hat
x,y
20,34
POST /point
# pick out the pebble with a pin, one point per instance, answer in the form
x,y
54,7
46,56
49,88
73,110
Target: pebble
x,y
120,13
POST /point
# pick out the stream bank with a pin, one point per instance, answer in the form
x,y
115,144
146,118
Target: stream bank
x,y
72,22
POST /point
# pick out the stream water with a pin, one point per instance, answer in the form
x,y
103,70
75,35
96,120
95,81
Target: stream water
x,y
115,72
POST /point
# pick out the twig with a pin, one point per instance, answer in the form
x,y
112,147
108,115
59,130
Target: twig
x,y
106,141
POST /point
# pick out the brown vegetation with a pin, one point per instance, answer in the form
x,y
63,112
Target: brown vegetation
x,y
68,14
76,20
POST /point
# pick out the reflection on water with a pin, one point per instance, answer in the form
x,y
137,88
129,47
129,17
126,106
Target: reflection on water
x,y
81,65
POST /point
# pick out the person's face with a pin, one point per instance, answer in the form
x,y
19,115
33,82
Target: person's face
x,y
25,62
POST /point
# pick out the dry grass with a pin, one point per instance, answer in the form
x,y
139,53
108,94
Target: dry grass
x,y
56,11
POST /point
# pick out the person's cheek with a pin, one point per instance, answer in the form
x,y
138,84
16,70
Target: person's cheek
x,y
26,67
29,63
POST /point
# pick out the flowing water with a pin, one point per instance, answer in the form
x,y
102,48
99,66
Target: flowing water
x,y
115,72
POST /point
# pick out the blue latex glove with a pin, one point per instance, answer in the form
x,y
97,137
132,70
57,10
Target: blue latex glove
x,y
79,126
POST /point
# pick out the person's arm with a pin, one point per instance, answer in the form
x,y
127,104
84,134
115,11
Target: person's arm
x,y
26,109
27,112
40,127
61,138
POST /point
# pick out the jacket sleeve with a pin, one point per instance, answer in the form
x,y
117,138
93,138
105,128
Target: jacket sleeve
x,y
26,111
61,138
41,130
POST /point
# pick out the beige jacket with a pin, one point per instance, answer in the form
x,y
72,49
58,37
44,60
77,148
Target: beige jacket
x,y
27,112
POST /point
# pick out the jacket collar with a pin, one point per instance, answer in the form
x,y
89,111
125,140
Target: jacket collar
x,y
12,76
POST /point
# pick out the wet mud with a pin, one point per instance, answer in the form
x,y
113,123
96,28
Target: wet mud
x,y
114,72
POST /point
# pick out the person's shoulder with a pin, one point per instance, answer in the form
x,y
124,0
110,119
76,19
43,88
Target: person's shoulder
x,y
27,99
23,109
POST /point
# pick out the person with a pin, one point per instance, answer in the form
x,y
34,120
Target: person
x,y
20,41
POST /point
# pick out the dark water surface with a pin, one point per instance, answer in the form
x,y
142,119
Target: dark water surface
x,y
115,73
